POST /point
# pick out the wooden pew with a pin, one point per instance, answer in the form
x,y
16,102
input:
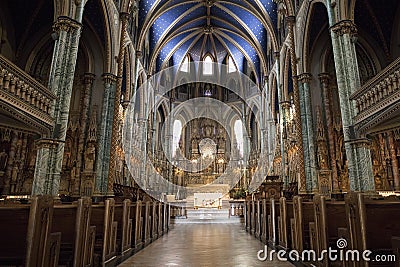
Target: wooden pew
x,y
285,224
247,220
124,230
154,221
264,221
13,228
257,219
160,219
273,223
330,222
77,237
146,219
396,249
303,216
372,224
253,217
26,230
136,211
102,218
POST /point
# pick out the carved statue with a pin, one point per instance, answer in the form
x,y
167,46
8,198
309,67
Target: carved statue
x,y
14,173
3,160
67,153
322,149
90,157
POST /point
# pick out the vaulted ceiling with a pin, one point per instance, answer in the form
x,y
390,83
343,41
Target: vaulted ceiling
x,y
244,29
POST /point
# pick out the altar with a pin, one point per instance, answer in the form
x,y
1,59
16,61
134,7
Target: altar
x,y
207,200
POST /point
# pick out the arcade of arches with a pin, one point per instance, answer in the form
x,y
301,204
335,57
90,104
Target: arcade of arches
x,y
130,115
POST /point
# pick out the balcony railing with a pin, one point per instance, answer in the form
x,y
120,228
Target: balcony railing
x,y
379,93
24,93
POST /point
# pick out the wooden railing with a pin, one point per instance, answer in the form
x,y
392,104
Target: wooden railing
x,y
24,93
378,93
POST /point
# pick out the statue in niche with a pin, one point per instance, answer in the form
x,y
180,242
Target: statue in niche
x,y
14,173
3,160
378,182
90,156
67,153
322,149
208,130
344,177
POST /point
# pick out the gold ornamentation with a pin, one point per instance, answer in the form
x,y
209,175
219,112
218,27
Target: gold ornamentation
x,y
344,27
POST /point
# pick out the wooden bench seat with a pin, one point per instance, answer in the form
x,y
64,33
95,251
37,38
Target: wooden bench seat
x,y
77,236
15,217
330,221
102,217
286,223
372,224
303,215
26,230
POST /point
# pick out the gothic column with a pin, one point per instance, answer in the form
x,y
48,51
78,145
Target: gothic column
x,y
348,80
308,132
296,97
395,163
86,94
326,99
49,160
117,100
285,114
282,125
102,161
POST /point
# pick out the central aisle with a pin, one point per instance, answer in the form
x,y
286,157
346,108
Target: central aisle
x,y
203,244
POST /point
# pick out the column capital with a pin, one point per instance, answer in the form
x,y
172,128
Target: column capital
x,y
88,78
109,78
361,142
324,78
305,77
47,143
344,27
66,24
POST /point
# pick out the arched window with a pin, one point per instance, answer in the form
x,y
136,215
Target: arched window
x,y
185,65
231,65
176,136
208,65
238,129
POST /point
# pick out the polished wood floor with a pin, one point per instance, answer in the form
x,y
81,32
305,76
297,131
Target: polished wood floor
x,y
203,244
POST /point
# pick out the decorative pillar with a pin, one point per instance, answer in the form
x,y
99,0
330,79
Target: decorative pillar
x,y
285,114
102,161
348,80
395,163
296,97
10,163
49,159
127,95
117,100
308,133
326,98
282,125
86,94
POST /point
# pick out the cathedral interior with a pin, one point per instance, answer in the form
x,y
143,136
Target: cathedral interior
x,y
121,119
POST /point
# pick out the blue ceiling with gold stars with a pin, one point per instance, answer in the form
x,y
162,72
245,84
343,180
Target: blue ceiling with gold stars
x,y
240,28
